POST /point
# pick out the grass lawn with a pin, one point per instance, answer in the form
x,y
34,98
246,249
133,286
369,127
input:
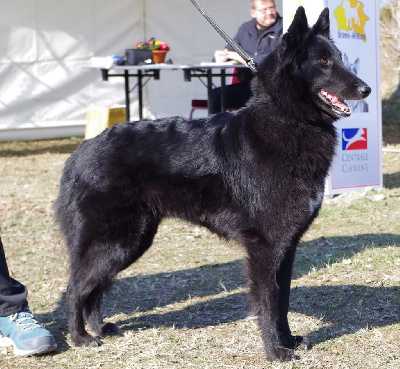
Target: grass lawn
x,y
184,304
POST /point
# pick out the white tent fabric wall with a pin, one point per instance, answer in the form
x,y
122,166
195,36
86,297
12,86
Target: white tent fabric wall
x,y
44,90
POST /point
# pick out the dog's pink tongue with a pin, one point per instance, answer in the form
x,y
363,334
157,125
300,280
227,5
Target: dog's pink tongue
x,y
337,102
334,99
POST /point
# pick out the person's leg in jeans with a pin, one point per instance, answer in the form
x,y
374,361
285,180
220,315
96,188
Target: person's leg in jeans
x,y
18,327
237,96
12,293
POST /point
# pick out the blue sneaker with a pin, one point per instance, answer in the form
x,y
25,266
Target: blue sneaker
x,y
24,332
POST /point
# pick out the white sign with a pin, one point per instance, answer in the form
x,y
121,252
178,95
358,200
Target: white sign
x,y
354,27
358,160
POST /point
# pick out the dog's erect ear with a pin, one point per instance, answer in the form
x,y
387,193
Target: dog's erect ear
x,y
297,29
322,25
299,24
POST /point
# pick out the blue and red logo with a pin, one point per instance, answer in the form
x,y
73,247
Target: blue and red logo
x,y
354,139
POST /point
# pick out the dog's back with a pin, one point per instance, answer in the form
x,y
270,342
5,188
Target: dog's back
x,y
171,167
201,171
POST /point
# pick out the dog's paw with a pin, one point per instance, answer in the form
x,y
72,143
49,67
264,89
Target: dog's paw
x,y
95,342
86,340
295,342
109,329
301,342
280,354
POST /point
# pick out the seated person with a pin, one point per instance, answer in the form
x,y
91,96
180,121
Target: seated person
x,y
257,37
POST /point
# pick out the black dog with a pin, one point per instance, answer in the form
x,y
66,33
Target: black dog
x,y
255,176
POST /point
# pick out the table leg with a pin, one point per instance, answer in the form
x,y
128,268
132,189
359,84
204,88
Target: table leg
x,y
140,93
127,99
223,91
104,74
210,92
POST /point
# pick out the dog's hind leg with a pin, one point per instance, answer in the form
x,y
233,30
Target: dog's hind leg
x,y
86,286
262,267
92,313
92,274
92,307
76,324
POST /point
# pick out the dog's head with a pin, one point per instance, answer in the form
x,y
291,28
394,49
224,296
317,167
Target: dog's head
x,y
313,67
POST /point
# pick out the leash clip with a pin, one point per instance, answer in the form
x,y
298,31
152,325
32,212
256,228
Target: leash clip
x,y
252,65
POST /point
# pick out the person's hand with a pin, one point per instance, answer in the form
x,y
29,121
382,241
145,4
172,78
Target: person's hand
x,y
221,56
233,55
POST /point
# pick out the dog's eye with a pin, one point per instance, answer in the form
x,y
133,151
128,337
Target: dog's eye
x,y
323,60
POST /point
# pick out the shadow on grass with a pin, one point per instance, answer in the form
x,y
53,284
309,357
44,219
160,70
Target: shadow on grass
x,y
345,309
391,181
348,308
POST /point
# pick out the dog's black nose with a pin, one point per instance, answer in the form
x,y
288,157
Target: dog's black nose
x,y
365,91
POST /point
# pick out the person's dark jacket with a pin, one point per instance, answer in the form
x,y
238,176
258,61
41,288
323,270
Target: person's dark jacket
x,y
257,47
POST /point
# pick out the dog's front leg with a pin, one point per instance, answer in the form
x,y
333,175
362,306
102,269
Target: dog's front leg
x,y
264,293
284,277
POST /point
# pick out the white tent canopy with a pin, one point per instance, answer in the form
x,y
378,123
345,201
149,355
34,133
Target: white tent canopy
x,y
45,91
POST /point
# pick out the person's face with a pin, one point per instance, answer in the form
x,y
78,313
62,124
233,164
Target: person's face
x,y
264,12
